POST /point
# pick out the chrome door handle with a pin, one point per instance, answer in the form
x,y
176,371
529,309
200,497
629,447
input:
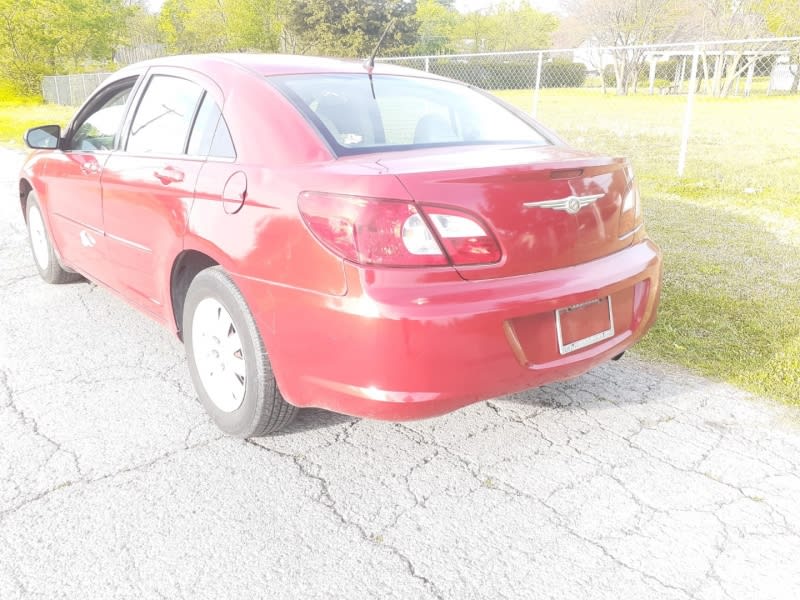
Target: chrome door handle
x,y
90,168
168,175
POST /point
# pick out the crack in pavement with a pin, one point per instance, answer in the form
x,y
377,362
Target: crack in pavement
x,y
325,499
82,483
33,424
561,520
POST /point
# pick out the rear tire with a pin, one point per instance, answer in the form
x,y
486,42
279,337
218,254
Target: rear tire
x,y
228,363
44,256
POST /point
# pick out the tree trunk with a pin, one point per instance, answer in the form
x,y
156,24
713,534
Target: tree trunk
x,y
731,75
602,78
619,74
718,68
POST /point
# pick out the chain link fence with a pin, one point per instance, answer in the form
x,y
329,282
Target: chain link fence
x,y
724,68
633,89
70,90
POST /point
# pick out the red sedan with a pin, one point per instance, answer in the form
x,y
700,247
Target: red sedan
x,y
377,242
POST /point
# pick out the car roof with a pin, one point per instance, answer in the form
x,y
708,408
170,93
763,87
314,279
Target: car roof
x,y
278,64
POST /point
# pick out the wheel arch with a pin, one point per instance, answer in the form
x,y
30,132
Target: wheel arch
x,y
25,188
185,268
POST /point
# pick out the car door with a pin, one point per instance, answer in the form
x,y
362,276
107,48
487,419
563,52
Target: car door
x,y
148,186
74,200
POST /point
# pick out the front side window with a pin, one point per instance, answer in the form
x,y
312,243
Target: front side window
x,y
357,115
164,116
97,131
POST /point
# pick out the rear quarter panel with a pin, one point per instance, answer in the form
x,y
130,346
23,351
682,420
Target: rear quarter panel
x,y
281,156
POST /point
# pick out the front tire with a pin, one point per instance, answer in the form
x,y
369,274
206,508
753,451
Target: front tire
x,y
44,256
228,363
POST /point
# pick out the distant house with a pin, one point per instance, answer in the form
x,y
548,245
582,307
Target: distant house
x,y
783,74
589,54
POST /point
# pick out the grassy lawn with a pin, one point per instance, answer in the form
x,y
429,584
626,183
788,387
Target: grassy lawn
x,y
17,117
730,229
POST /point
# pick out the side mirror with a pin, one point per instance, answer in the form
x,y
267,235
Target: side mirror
x,y
47,137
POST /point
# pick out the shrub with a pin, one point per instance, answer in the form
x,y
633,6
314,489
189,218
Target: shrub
x,y
666,70
563,74
609,76
492,74
488,74
11,94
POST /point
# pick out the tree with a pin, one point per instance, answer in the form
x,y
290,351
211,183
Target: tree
x,y
437,27
254,25
628,23
41,37
27,46
727,20
195,25
521,27
475,31
506,27
91,29
221,25
141,26
352,27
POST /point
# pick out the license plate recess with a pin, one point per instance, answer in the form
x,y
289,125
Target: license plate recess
x,y
584,324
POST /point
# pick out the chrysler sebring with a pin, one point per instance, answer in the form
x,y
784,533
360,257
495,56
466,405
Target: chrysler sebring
x,y
376,241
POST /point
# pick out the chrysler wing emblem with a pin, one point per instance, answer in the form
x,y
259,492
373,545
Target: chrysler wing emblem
x,y
570,204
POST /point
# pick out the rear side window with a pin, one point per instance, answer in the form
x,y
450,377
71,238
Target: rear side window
x,y
396,112
164,116
210,134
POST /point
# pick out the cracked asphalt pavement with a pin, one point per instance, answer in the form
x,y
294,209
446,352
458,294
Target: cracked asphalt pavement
x,y
633,481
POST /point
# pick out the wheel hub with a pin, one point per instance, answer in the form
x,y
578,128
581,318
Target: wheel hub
x,y
38,238
219,356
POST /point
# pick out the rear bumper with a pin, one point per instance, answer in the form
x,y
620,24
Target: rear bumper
x,y
398,348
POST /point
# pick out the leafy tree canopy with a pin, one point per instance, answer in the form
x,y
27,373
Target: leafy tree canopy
x,y
55,36
353,27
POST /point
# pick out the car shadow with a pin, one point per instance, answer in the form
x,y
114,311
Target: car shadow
x,y
311,419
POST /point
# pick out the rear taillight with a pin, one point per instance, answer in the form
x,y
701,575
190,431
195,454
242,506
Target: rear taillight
x,y
630,217
396,233
464,239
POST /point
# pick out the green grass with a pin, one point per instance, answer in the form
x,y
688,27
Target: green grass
x,y
730,228
20,114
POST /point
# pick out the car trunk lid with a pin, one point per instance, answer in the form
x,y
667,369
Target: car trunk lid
x,y
549,207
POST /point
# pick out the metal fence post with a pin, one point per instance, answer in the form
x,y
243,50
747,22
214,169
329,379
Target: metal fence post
x,y
427,64
687,119
535,106
58,95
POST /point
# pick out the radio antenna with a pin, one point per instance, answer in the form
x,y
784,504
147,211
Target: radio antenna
x,y
369,64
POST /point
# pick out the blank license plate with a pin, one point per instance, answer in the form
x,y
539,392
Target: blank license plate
x,y
584,324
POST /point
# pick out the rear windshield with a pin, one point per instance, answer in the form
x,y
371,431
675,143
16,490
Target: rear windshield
x,y
400,113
